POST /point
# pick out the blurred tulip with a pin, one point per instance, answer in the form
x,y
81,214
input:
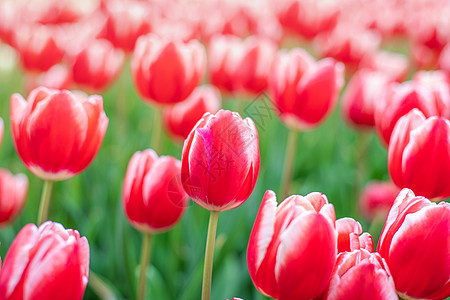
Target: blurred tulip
x,y
182,117
8,21
305,92
38,47
292,246
57,77
221,151
13,194
360,97
48,262
415,243
393,65
438,83
376,199
444,59
224,56
153,197
344,227
57,133
419,154
97,65
164,71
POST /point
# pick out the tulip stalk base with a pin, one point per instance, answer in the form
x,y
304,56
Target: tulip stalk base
x,y
209,255
289,162
145,259
45,201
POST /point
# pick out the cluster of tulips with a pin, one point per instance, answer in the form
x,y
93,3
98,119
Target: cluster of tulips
x,y
297,249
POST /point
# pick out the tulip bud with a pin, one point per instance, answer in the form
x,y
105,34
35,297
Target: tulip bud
x,y
415,243
57,133
419,154
13,194
182,117
220,161
48,262
303,91
292,246
153,198
164,71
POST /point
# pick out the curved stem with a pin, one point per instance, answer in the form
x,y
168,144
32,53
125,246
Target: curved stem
x,y
209,255
100,287
289,162
45,201
157,128
145,259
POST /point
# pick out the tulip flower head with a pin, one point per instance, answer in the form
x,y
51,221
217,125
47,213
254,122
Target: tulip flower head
x,y
292,246
49,262
13,194
57,133
220,162
344,227
415,243
153,197
376,199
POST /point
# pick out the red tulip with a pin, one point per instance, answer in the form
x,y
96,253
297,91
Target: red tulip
x,y
13,194
376,199
292,246
182,117
153,198
303,91
38,47
48,262
360,97
415,243
224,56
438,83
57,133
221,151
166,72
344,227
57,77
419,154
97,65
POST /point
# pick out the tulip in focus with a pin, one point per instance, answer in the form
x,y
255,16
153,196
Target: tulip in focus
x,y
419,155
182,117
165,71
13,195
345,227
221,151
292,246
57,133
97,65
376,199
153,197
48,262
304,91
415,243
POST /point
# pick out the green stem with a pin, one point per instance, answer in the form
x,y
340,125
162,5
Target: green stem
x,y
289,162
145,259
362,148
157,128
45,201
209,255
99,287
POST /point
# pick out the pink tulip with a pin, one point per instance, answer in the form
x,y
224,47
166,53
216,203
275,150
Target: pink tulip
x,y
304,91
153,198
221,151
57,77
444,59
57,133
415,243
292,246
393,65
182,117
48,262
13,194
164,71
419,154
376,199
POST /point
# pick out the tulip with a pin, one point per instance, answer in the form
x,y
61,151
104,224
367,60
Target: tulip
x,y
97,65
48,262
360,97
220,165
444,59
182,117
164,71
13,194
376,199
57,77
153,200
292,246
395,66
344,227
419,154
56,134
415,243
